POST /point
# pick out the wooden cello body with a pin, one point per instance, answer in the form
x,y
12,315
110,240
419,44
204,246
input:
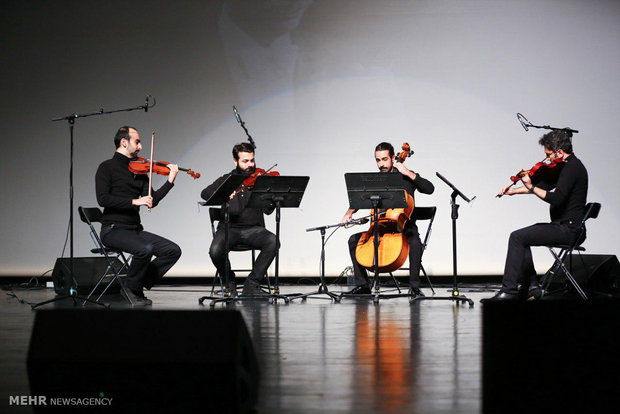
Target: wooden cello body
x,y
393,245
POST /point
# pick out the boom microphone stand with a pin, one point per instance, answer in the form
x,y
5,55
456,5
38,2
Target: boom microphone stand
x,y
527,124
238,118
71,122
455,294
323,290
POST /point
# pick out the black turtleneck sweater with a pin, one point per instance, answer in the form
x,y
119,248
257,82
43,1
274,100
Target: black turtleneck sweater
x,y
240,215
567,201
116,187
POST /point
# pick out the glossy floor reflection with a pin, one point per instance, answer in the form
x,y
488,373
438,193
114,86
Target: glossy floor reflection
x,y
318,356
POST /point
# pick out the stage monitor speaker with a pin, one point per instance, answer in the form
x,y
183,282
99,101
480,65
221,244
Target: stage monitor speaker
x,y
86,272
596,273
550,356
143,361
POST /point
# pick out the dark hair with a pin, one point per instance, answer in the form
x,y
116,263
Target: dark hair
x,y
242,147
385,146
123,132
558,140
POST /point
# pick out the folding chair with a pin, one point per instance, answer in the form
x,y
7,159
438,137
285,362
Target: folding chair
x,y
215,215
421,214
90,215
592,211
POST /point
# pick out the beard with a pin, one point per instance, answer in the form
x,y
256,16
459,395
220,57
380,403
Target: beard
x,y
384,169
247,171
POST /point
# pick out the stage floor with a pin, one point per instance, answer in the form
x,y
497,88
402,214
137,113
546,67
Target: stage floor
x,y
318,356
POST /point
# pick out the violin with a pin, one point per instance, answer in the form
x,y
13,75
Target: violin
x,y
393,246
143,166
537,171
251,180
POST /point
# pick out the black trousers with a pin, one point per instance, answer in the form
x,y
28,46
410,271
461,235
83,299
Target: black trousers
x,y
519,268
143,246
415,258
256,237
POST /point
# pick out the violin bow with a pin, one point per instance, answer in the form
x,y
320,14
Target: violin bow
x,y
151,167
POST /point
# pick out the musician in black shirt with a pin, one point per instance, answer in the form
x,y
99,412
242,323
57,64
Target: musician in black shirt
x,y
567,201
247,226
121,193
384,156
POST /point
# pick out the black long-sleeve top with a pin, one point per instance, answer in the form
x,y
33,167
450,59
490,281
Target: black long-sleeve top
x,y
422,185
567,201
239,214
116,187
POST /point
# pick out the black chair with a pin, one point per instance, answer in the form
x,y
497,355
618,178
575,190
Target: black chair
x,y
216,215
592,211
422,214
90,215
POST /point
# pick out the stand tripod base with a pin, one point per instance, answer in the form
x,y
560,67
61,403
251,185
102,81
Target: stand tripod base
x,y
75,301
272,297
376,295
456,296
321,291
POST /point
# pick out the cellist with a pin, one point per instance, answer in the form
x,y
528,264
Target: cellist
x,y
385,158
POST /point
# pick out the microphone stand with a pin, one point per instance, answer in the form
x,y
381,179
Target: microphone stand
x,y
71,122
238,118
527,124
323,290
455,295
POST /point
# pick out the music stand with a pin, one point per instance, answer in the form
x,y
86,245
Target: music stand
x,y
375,191
221,197
279,192
455,294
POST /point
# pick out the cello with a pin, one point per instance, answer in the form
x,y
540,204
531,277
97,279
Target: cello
x,y
393,246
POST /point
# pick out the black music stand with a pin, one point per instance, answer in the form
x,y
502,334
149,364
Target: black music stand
x,y
454,293
278,191
375,191
221,197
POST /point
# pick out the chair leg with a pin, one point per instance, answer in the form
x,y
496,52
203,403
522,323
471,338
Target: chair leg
x,y
117,277
427,278
217,277
395,282
559,265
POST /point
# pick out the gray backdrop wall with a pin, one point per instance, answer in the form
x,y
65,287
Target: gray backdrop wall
x,y
319,84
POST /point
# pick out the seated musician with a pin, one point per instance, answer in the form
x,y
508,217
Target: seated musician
x,y
384,156
121,193
247,226
566,206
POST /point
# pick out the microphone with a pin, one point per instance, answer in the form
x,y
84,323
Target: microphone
x,y
146,103
361,221
237,117
524,121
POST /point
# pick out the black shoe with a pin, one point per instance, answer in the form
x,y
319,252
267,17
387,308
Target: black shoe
x,y
231,290
135,298
502,296
143,298
535,292
359,290
251,287
416,292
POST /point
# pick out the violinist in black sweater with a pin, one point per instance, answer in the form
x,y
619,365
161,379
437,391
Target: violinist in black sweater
x,y
247,226
567,205
121,193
